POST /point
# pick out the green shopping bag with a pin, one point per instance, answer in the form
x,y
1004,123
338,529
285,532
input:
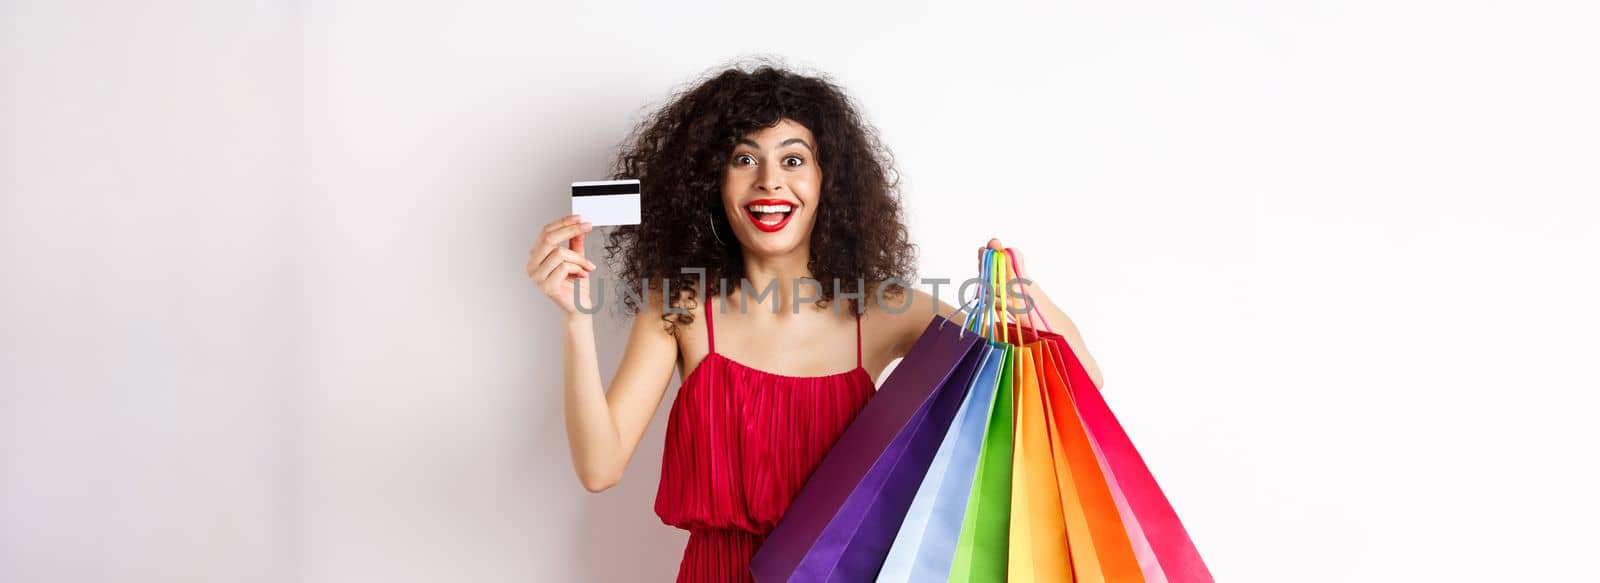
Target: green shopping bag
x,y
982,550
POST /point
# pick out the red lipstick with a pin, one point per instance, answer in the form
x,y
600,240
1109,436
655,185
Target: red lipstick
x,y
775,227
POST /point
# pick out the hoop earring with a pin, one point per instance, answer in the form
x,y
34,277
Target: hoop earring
x,y
713,222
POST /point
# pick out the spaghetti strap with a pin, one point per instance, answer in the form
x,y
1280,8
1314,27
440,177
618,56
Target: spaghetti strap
x,y
858,339
711,337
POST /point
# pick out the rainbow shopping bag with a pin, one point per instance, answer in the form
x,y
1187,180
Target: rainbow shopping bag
x,y
1120,526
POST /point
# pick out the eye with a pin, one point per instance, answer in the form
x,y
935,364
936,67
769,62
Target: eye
x,y
798,161
740,159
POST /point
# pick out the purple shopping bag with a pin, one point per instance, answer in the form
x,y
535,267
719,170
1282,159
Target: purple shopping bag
x,y
844,519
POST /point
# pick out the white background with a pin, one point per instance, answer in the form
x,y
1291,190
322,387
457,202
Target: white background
x,y
264,316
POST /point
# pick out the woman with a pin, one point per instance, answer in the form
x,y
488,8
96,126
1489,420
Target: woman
x,y
761,178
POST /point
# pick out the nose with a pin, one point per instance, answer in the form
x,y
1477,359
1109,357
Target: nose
x,y
769,179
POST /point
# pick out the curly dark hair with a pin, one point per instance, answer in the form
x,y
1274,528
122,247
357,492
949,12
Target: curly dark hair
x,y
678,153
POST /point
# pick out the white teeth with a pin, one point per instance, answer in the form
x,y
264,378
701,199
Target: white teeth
x,y
770,208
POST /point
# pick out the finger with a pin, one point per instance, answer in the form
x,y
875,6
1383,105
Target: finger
x,y
565,254
561,222
554,239
552,227
545,236
548,266
984,259
557,271
541,247
535,264
568,272
564,273
993,244
561,234
559,258
576,244
575,258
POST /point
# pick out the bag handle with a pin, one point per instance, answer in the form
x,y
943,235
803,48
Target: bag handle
x,y
1011,254
1003,308
982,324
977,318
985,314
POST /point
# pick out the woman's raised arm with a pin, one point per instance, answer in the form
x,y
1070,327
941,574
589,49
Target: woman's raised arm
x,y
603,426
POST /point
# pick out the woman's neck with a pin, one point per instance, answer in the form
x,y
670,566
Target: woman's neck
x,y
785,270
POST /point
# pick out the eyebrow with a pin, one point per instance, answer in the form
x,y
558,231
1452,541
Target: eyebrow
x,y
800,141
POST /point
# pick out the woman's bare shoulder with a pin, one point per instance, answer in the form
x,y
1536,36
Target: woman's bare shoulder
x,y
906,313
652,320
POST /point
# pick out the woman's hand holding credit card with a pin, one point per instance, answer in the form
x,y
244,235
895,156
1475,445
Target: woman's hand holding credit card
x,y
557,263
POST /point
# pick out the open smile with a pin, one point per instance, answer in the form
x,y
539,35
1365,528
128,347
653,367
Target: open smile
x,y
769,215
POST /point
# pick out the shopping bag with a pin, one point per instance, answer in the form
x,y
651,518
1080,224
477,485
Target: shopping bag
x,y
1120,524
842,521
1039,550
925,546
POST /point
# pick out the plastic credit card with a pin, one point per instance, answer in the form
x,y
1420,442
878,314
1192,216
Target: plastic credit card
x,y
607,202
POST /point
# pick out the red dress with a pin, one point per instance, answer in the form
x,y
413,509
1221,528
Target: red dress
x,y
740,442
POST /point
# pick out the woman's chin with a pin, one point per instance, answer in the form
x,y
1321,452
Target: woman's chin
x,y
777,244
